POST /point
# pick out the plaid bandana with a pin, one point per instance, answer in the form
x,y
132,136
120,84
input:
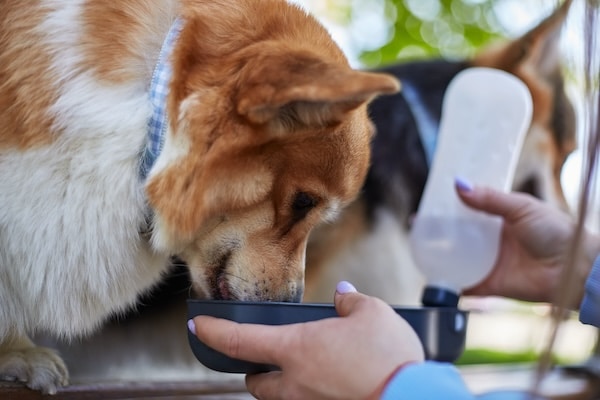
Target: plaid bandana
x,y
159,87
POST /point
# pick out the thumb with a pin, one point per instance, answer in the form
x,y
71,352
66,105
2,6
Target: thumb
x,y
347,298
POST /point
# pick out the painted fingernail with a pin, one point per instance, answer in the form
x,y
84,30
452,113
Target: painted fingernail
x,y
463,185
344,287
192,326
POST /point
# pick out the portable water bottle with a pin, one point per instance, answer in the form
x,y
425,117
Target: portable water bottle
x,y
485,115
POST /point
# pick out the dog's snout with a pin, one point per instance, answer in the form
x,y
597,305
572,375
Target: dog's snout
x,y
229,288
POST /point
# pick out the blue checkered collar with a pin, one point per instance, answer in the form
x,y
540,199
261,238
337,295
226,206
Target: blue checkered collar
x,y
159,87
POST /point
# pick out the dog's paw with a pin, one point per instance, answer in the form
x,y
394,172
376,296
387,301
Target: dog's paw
x,y
38,367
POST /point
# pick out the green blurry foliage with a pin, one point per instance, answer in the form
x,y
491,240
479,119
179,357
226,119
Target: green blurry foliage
x,y
425,28
418,29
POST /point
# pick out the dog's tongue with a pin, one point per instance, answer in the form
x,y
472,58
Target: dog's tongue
x,y
485,115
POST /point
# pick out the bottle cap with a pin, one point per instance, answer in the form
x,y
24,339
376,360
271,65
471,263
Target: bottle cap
x,y
434,296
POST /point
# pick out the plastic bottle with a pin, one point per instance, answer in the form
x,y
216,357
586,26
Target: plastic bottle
x,y
485,115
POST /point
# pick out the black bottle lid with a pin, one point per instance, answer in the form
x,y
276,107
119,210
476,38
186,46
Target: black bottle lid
x,y
434,296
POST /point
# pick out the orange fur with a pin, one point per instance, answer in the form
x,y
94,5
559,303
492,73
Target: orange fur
x,y
22,73
279,83
119,33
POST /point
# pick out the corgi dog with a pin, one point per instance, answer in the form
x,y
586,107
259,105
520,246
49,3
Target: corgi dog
x,y
368,243
131,131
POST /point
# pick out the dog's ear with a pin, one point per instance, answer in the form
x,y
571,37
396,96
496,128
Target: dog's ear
x,y
537,50
294,89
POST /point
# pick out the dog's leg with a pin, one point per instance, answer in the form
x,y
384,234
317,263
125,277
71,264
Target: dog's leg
x,y
39,368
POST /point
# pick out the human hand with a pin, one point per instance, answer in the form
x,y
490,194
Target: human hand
x,y
535,244
348,357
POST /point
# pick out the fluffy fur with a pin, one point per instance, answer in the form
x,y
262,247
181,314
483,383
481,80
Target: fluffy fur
x,y
268,136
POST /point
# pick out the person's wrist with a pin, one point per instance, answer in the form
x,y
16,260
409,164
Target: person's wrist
x,y
376,394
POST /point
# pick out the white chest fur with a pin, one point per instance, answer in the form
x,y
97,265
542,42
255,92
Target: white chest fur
x,y
70,211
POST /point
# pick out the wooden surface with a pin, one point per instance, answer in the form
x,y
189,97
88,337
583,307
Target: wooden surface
x,y
558,386
133,390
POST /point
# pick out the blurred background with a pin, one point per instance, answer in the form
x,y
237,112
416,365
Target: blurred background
x,y
375,33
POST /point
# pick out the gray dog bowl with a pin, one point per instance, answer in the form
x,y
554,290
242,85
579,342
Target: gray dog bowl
x,y
441,330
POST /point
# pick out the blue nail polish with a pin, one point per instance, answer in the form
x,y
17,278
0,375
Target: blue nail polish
x,y
463,185
192,326
345,287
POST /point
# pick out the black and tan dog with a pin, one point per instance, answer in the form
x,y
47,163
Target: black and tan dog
x,y
368,243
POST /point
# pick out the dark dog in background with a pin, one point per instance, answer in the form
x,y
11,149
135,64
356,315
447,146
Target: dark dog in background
x,y
367,244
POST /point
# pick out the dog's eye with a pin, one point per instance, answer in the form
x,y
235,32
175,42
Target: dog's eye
x,y
302,204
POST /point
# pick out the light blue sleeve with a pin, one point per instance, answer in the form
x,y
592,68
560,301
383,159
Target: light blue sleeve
x,y
589,311
427,381
434,380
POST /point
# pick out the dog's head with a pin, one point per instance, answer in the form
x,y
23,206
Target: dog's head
x,y
269,135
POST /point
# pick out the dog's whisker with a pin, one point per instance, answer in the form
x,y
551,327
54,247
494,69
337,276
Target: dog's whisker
x,y
231,275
